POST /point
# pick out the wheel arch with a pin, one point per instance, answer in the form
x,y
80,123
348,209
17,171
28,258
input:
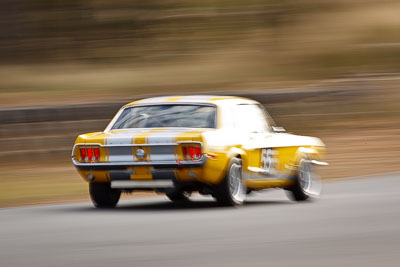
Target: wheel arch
x,y
309,153
233,152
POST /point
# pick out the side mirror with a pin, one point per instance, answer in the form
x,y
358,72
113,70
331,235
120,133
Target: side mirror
x,y
277,129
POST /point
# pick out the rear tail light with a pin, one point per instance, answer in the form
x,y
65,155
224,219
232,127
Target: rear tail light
x,y
191,152
96,153
90,154
197,150
83,153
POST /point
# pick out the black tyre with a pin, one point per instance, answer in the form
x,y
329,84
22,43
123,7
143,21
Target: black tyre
x,y
306,183
178,196
103,196
232,191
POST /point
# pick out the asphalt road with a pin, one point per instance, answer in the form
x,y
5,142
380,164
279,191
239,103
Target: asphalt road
x,y
355,223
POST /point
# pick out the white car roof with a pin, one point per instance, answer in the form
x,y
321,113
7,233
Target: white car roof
x,y
208,99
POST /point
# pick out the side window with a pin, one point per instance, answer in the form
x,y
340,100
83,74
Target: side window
x,y
251,117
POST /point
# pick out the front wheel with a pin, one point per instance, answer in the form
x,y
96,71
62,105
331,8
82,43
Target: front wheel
x,y
103,196
306,183
232,191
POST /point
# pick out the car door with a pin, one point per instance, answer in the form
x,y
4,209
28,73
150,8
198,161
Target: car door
x,y
252,123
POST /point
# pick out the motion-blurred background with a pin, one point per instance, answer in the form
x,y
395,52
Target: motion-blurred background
x,y
325,68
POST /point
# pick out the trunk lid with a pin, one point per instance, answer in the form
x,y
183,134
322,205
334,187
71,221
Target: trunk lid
x,y
154,145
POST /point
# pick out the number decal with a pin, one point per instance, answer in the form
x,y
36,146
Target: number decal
x,y
268,161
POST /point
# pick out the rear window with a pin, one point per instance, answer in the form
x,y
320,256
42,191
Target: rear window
x,y
158,116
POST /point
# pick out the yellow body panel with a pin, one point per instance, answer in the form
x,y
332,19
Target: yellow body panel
x,y
259,184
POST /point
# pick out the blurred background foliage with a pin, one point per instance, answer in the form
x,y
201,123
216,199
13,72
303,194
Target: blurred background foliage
x,y
58,47
332,32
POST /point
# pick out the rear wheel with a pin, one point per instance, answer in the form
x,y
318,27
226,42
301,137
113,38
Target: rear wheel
x,y
103,196
307,184
232,191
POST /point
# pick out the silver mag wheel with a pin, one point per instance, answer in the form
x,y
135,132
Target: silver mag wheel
x,y
232,190
236,186
307,183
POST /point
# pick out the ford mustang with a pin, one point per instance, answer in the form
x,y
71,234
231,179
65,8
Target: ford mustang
x,y
217,145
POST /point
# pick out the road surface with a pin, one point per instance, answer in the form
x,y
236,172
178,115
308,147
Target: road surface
x,y
355,223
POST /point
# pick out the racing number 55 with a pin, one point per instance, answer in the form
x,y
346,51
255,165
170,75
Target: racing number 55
x,y
268,161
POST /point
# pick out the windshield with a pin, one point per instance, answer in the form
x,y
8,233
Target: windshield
x,y
155,116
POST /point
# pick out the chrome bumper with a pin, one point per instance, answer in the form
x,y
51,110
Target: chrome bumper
x,y
154,184
320,163
84,166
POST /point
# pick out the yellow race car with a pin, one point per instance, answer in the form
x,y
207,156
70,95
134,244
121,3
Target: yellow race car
x,y
219,145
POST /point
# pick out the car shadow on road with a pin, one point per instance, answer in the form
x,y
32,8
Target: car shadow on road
x,y
165,205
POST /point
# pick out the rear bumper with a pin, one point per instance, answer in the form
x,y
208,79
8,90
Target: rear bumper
x,y
100,166
152,184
